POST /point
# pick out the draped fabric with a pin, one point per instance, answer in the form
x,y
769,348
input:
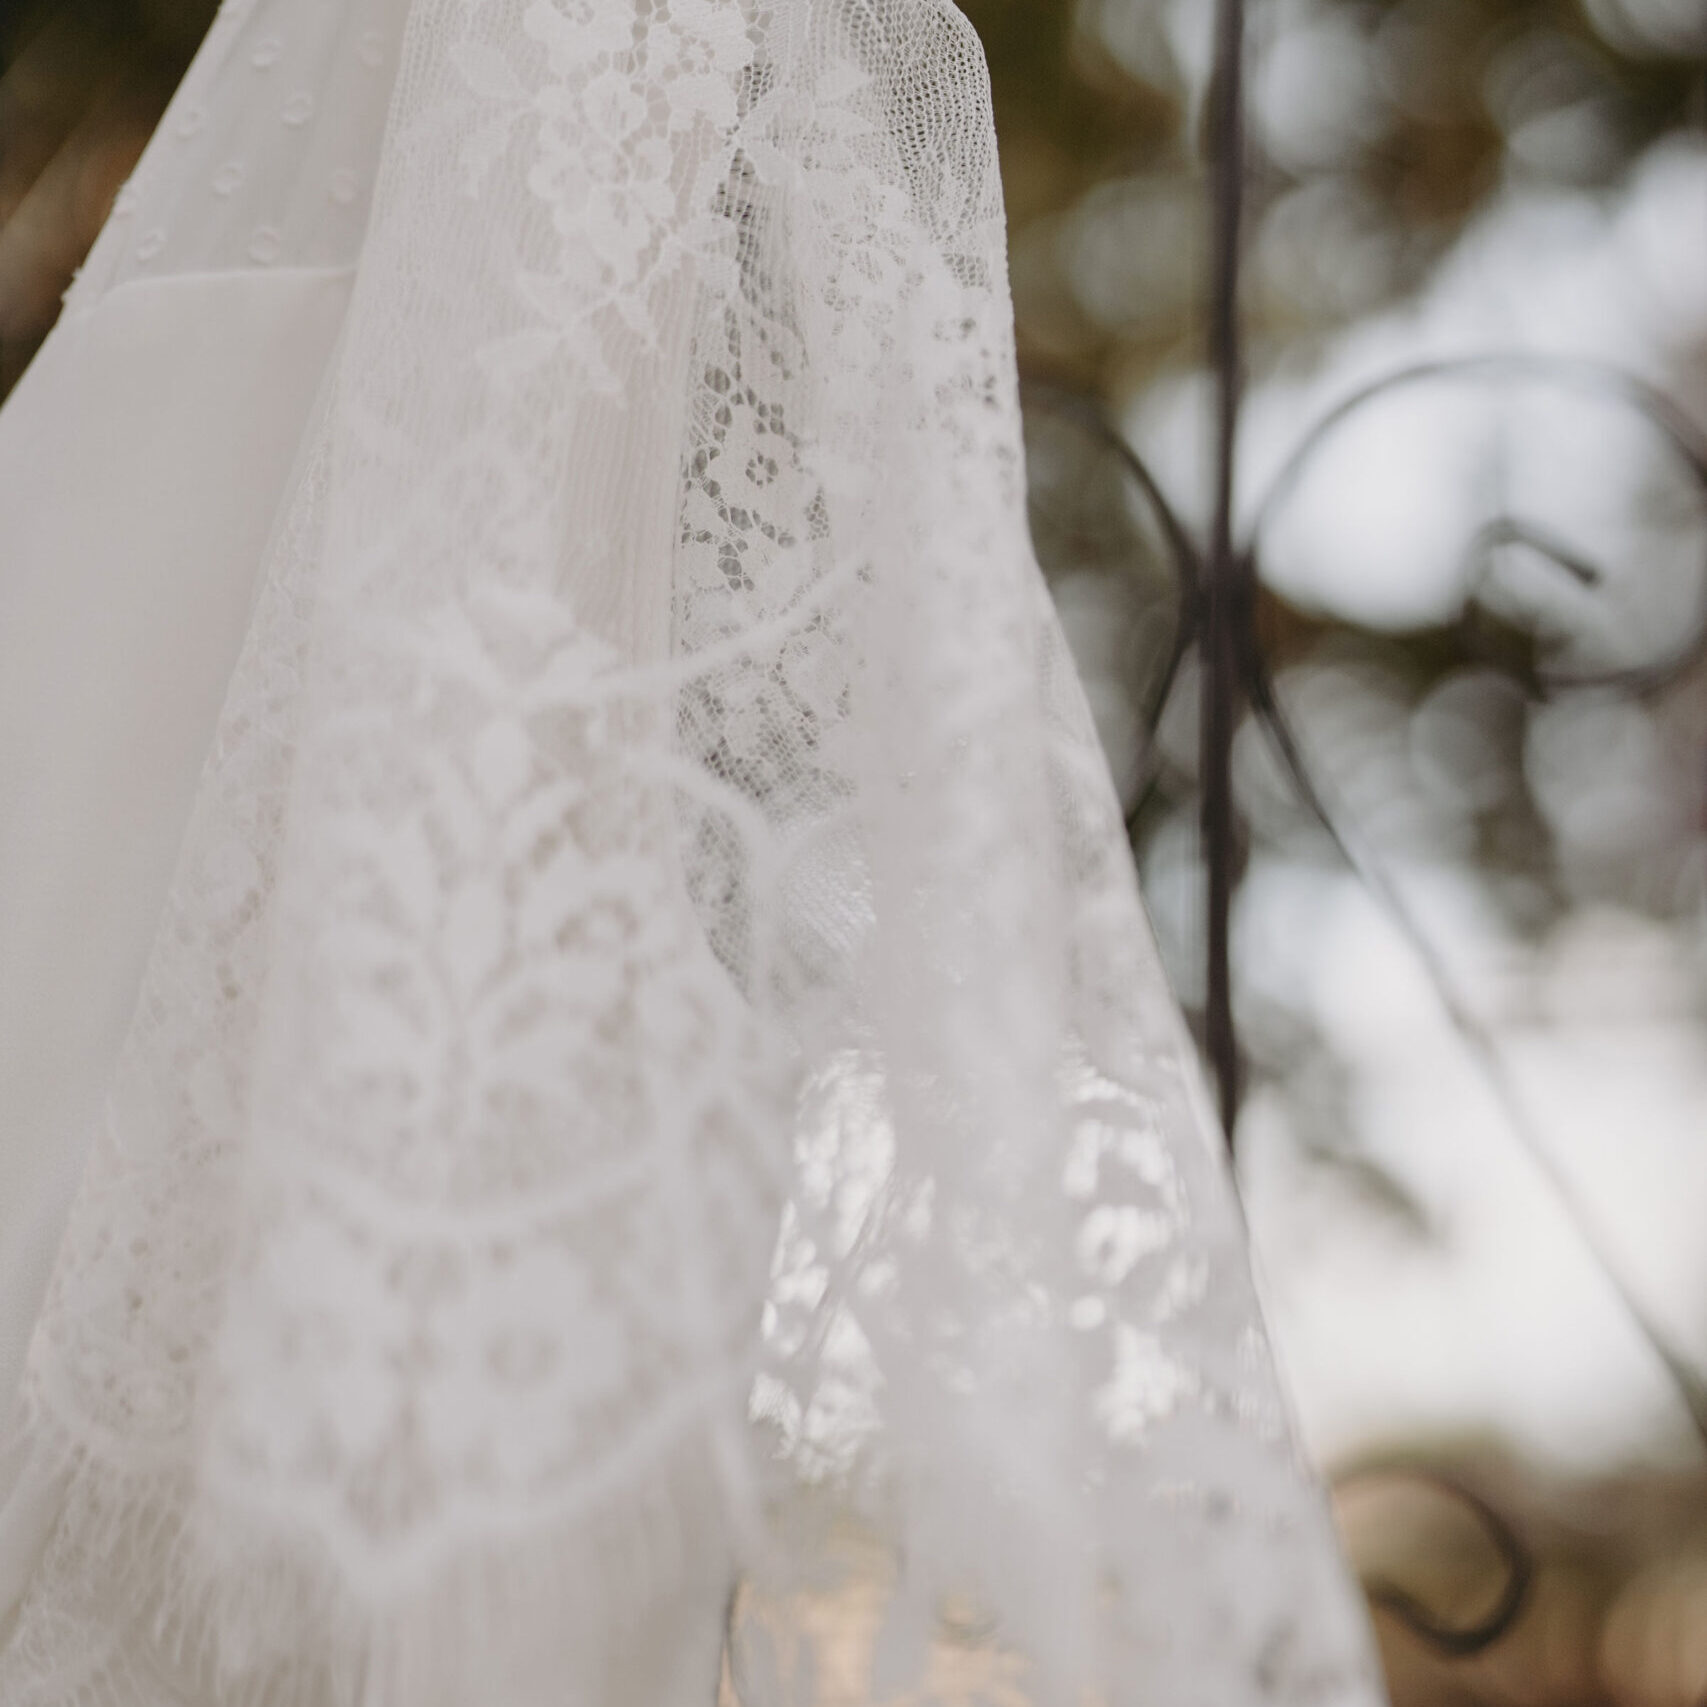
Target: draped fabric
x,y
649,1072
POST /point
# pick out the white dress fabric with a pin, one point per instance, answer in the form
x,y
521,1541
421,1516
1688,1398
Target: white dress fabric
x,y
575,1023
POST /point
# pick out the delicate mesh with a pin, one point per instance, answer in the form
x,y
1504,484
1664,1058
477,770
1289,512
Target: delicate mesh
x,y
653,1065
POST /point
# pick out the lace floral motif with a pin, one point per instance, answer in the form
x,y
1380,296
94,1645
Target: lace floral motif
x,y
655,833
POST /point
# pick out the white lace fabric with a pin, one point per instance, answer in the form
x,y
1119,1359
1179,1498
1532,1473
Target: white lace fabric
x,y
652,1054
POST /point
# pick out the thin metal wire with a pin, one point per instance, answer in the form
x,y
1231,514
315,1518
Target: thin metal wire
x,y
1483,1050
1592,378
1182,553
1226,600
1567,373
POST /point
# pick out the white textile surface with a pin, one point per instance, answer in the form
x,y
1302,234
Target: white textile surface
x,y
648,1062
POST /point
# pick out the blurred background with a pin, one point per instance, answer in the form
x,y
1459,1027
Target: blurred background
x,y
1479,601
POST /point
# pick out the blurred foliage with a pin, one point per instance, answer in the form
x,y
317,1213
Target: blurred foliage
x,y
1390,140
1381,131
1380,127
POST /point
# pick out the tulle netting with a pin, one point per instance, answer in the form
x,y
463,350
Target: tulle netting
x,y
652,1072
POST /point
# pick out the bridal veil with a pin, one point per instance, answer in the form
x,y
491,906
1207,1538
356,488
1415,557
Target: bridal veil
x,y
578,1027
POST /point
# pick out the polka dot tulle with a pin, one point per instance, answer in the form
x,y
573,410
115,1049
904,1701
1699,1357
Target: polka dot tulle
x,y
266,156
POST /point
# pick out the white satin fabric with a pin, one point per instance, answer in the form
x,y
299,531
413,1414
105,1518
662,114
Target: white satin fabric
x,y
563,925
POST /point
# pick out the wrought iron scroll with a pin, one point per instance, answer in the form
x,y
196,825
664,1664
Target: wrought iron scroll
x,y
1217,608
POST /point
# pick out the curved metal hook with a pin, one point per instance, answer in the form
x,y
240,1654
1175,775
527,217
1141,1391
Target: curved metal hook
x,y
1460,1641
1591,377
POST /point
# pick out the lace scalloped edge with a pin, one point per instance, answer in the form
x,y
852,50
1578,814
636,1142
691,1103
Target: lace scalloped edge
x,y
255,1614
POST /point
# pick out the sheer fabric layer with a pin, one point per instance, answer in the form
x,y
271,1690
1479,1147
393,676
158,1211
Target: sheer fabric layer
x,y
651,1063
140,464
